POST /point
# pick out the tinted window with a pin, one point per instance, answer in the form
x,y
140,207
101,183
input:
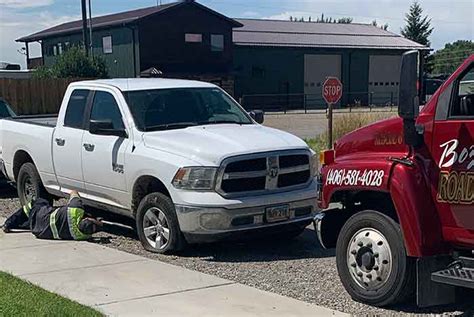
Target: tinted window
x,y
105,107
5,110
74,117
463,100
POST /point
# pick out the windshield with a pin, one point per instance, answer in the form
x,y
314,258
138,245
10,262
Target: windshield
x,y
163,109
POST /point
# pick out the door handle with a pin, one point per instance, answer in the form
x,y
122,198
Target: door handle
x,y
60,141
89,147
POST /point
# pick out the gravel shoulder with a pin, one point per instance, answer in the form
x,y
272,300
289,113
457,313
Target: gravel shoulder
x,y
297,268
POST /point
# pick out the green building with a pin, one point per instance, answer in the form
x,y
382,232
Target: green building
x,y
265,62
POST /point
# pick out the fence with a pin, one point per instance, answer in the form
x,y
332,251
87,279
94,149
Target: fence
x,y
307,102
34,96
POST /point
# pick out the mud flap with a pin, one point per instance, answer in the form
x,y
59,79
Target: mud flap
x,y
429,293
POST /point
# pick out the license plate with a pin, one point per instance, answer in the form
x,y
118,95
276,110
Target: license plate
x,y
278,213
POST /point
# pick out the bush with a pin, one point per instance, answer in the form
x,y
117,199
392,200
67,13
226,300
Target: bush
x,y
344,124
74,63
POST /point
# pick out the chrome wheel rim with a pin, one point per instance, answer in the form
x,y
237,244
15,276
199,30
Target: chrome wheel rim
x,y
156,228
369,259
30,190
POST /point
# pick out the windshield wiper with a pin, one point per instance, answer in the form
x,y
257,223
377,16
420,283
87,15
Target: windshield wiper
x,y
171,126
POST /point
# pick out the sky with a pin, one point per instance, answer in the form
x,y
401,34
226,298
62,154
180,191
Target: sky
x,y
452,19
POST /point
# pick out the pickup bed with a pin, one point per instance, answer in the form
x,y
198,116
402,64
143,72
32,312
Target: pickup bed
x,y
181,157
42,120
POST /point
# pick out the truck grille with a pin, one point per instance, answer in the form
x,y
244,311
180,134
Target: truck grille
x,y
264,173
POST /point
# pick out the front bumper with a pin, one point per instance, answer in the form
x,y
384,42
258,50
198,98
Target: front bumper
x,y
205,224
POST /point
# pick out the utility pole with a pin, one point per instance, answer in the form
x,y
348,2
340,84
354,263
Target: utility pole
x,y
90,28
84,27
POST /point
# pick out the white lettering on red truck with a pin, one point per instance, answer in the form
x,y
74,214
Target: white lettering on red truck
x,y
451,155
343,177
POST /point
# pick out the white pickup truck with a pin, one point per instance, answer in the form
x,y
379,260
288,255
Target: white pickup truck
x,y
181,157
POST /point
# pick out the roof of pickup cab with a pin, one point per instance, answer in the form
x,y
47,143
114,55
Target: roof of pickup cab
x,y
130,84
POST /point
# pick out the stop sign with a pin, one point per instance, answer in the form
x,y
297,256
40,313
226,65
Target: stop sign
x,y
332,90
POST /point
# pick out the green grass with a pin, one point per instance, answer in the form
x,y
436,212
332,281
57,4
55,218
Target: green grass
x,y
20,298
344,124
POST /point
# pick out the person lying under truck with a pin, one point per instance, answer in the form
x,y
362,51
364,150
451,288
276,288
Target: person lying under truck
x,y
69,222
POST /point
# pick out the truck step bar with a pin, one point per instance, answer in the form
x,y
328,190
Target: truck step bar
x,y
456,276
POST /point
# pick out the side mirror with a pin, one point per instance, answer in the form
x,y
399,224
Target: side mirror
x,y
257,115
408,99
105,127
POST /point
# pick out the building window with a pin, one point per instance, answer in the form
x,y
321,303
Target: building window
x,y
193,38
107,44
217,42
55,50
60,48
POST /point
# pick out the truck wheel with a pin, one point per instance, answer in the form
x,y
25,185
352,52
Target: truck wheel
x,y
157,224
372,261
29,185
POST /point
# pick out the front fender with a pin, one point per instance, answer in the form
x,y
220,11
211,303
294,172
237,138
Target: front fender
x,y
410,194
421,226
362,174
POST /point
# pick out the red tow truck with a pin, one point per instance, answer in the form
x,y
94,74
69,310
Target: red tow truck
x,y
399,197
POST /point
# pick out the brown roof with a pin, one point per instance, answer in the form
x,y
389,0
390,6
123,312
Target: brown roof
x,y
280,33
115,19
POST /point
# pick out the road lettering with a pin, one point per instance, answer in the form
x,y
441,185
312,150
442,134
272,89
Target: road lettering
x,y
456,187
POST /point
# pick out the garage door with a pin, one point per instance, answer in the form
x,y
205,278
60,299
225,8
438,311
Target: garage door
x,y
384,75
316,69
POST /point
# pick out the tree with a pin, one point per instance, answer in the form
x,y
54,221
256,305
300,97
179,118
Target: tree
x,y
448,59
322,19
418,28
383,26
345,20
74,63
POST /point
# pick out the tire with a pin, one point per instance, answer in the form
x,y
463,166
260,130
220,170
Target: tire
x,y
30,186
165,223
370,273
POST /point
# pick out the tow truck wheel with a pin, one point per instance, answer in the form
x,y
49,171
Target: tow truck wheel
x,y
29,185
157,224
372,261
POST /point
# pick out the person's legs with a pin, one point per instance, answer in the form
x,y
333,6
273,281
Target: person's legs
x,y
19,220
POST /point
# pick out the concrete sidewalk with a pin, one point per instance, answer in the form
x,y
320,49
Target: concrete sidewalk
x,y
122,284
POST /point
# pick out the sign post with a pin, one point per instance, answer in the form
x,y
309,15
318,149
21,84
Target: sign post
x,y
332,93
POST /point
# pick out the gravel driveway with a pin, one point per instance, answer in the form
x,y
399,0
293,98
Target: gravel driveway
x,y
299,268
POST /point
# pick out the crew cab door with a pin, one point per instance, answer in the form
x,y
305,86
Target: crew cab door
x,y
67,142
453,152
103,156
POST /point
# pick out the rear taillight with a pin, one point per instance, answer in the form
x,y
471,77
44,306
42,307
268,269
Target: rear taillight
x,y
326,157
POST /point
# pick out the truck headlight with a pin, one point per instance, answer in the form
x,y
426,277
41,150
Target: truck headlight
x,y
195,178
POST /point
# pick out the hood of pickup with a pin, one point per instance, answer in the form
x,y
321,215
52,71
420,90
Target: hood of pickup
x,y
210,144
